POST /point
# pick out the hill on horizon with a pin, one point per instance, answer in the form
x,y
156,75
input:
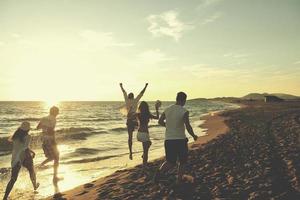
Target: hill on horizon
x,y
261,96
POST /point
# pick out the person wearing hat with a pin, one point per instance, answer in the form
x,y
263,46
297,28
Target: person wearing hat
x,y
22,155
47,124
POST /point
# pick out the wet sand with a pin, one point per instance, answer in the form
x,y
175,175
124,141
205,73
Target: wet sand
x,y
256,158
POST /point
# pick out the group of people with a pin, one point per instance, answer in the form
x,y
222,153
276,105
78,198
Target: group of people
x,y
175,119
22,155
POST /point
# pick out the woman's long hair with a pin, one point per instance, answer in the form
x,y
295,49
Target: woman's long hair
x,y
19,134
144,113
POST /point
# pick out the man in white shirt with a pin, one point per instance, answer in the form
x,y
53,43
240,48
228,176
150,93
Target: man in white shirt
x,y
176,119
47,124
131,107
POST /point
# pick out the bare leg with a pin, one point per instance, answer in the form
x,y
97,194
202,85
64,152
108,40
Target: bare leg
x,y
166,166
46,161
181,168
146,146
33,177
130,133
55,169
13,179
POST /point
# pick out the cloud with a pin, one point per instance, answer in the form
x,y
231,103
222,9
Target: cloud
x,y
236,59
208,3
235,55
167,24
20,40
153,56
211,18
102,39
207,71
297,62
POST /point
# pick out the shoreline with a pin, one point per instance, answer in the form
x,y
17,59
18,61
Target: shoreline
x,y
257,158
214,125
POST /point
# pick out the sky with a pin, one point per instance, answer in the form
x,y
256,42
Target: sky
x,y
56,50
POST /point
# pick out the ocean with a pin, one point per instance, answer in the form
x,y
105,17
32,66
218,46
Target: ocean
x,y
92,139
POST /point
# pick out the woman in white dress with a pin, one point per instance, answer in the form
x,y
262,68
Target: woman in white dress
x,y
22,155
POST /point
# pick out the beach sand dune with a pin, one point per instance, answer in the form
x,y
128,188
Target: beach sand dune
x,y
257,158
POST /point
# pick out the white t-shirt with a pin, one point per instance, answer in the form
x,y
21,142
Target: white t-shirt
x,y
18,151
175,128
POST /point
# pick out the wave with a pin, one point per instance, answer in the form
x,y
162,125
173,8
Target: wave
x,y
87,160
100,119
73,130
5,145
30,119
79,135
119,129
62,135
84,152
81,152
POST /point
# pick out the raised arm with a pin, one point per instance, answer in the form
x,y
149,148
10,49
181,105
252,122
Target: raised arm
x,y
162,119
142,92
124,92
188,125
157,113
39,126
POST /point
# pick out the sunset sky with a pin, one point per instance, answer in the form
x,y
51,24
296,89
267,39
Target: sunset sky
x,y
81,49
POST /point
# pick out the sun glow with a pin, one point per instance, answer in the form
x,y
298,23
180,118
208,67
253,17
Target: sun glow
x,y
51,102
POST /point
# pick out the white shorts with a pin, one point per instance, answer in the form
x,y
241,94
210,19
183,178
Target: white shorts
x,y
143,137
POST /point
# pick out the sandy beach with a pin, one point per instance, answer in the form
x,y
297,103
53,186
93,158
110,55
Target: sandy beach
x,y
257,158
97,82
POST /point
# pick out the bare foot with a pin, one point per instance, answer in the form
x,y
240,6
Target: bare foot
x,y
130,156
37,185
40,166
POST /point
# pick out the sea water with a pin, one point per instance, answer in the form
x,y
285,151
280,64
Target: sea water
x,y
92,140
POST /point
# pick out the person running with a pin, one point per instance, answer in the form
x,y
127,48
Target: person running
x,y
47,124
144,117
22,155
176,119
131,106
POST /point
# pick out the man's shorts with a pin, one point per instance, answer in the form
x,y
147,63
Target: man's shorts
x,y
50,150
176,150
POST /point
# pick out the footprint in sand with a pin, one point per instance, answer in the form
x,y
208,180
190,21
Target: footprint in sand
x,y
88,185
59,196
82,193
